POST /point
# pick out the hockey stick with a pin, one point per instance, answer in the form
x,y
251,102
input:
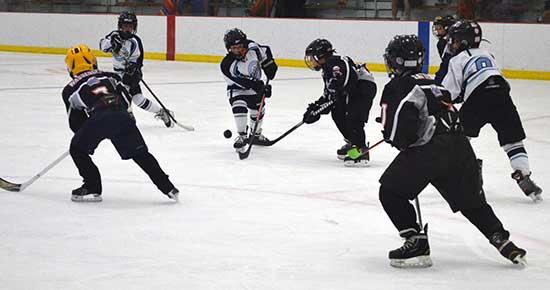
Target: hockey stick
x,y
186,127
245,154
417,205
285,134
17,187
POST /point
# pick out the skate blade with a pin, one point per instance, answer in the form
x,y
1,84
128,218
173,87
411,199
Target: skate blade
x,y
536,197
415,262
175,197
241,150
520,261
352,163
341,157
94,198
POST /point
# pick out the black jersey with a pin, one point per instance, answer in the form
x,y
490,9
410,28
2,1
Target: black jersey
x,y
408,106
341,76
91,92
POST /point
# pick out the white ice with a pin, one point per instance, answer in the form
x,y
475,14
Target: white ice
x,y
291,216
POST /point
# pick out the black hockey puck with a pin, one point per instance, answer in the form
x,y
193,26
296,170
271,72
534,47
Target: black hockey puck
x,y
227,134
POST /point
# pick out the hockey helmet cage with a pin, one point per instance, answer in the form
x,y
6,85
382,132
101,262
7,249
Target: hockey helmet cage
x,y
444,22
316,50
464,34
80,59
233,36
128,17
404,53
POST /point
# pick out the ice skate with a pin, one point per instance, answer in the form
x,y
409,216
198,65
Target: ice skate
x,y
415,252
528,186
82,194
357,157
343,151
240,142
508,249
173,194
164,117
260,139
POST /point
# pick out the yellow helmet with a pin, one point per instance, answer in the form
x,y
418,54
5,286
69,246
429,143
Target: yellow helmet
x,y
80,59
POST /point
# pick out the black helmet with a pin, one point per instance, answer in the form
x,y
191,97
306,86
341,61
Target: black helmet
x,y
445,22
127,17
316,50
464,34
404,53
233,36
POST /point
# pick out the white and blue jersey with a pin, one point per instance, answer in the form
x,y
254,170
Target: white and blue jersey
x,y
467,70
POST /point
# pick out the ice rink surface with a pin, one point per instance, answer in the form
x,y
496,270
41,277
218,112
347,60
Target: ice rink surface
x,y
291,216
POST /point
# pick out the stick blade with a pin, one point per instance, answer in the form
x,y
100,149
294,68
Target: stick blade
x,y
9,186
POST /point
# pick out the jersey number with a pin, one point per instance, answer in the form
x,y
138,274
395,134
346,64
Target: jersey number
x,y
100,90
483,62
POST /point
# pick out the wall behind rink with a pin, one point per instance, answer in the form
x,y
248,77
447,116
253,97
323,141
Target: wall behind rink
x,y
520,49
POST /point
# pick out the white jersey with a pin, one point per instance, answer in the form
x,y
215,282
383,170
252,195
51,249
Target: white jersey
x,y
467,70
239,73
131,52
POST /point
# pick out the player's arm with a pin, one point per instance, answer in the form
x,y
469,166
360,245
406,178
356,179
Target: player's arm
x,y
76,117
112,42
340,77
244,83
268,62
400,120
453,80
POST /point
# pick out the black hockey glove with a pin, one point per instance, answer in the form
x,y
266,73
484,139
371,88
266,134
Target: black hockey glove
x,y
448,120
267,91
260,88
116,42
310,116
315,110
270,68
132,74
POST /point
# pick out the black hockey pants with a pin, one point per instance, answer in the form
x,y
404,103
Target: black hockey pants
x,y
120,128
350,115
449,164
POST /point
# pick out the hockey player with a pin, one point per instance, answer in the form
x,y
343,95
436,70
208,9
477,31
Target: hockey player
x,y
439,29
348,92
97,104
242,69
475,79
127,51
418,120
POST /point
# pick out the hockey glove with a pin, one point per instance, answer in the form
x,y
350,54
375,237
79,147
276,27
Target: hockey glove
x,y
270,68
258,87
448,120
132,75
310,116
116,42
267,91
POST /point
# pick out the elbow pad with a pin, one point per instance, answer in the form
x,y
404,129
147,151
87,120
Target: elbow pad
x,y
270,68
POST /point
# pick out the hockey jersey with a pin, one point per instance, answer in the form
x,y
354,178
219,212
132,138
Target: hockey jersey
x,y
130,52
467,70
91,92
341,75
408,106
243,75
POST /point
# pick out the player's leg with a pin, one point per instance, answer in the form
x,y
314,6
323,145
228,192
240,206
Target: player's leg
x,y
239,108
83,144
507,123
253,103
129,144
403,180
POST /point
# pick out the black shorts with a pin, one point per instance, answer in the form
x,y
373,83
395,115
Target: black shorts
x,y
447,162
495,107
118,126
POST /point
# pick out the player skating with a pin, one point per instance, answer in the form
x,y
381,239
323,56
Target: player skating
x,y
242,69
127,50
475,79
419,121
348,92
97,104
